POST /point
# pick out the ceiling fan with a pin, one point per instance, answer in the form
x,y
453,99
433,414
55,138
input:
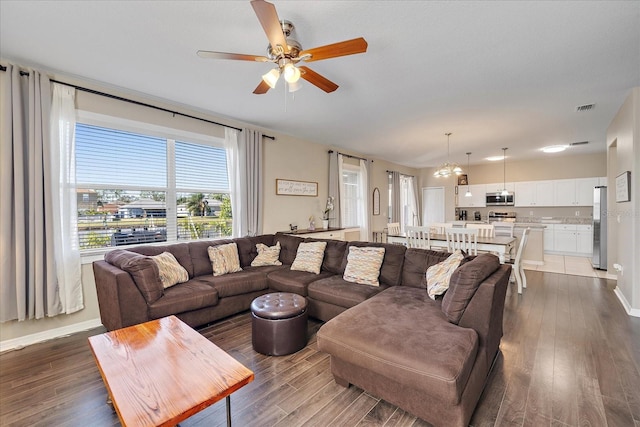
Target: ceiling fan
x,y
286,53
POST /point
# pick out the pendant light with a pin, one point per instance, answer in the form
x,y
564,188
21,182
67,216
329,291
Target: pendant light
x,y
504,172
447,169
468,193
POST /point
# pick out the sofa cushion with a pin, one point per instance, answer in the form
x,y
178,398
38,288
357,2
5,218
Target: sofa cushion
x,y
402,334
334,255
267,255
391,270
170,271
247,247
309,257
288,247
337,291
286,280
363,265
142,269
439,275
199,251
416,263
246,281
179,250
191,295
224,259
464,283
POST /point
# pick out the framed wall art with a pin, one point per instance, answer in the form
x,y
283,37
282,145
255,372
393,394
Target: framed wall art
x,y
376,201
623,187
290,187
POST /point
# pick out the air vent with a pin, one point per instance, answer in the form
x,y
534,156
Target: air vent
x,y
585,107
573,144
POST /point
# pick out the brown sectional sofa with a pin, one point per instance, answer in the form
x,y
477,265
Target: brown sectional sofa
x,y
428,357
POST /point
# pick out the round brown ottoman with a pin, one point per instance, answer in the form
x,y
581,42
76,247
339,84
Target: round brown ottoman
x,y
279,323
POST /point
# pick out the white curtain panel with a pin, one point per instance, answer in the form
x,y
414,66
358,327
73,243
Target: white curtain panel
x,y
340,164
416,201
66,246
365,229
28,287
233,171
252,190
335,185
396,206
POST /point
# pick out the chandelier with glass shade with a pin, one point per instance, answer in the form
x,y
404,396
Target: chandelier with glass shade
x,y
447,169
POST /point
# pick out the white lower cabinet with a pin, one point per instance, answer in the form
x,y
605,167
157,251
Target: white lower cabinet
x,y
584,236
548,238
570,239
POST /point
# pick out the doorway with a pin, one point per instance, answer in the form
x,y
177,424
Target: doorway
x,y
432,205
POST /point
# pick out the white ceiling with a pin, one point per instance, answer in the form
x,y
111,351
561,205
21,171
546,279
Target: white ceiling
x,y
495,74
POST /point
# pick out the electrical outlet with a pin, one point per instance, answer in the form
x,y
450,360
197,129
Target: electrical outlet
x,y
577,213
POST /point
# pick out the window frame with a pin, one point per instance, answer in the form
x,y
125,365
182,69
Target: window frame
x,y
170,135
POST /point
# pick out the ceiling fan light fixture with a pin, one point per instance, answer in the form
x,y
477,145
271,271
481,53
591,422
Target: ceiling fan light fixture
x,y
271,78
295,86
291,73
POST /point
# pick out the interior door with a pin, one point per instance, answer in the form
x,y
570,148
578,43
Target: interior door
x,y
432,204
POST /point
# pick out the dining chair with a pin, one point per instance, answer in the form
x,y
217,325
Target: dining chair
x,y
437,227
503,228
417,237
465,239
393,228
518,270
484,230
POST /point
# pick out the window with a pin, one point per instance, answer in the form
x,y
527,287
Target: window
x,y
407,200
141,187
352,199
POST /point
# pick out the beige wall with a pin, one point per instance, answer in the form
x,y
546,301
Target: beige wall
x,y
623,142
286,157
559,167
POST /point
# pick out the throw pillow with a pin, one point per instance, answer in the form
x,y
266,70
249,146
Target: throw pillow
x,y
224,259
363,265
439,275
309,257
171,272
267,255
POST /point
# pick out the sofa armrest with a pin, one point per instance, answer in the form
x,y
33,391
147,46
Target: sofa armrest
x,y
119,299
484,312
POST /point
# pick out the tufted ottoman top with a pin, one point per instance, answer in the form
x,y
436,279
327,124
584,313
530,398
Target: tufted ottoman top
x,y
278,305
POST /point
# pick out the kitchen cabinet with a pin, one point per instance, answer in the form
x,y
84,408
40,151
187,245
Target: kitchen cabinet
x,y
548,238
534,193
498,187
602,181
477,199
564,238
572,239
584,239
574,192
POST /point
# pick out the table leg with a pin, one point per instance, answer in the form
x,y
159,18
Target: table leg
x,y
228,400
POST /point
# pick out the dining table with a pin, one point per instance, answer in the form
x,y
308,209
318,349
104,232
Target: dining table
x,y
504,246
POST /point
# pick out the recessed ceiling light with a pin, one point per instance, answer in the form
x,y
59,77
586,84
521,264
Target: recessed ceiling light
x,y
554,148
494,158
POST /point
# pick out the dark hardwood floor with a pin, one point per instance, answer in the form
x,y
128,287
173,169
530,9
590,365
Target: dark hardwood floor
x,y
570,357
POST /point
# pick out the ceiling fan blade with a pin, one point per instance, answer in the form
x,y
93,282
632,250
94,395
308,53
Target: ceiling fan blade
x,y
270,22
316,79
237,56
262,88
347,47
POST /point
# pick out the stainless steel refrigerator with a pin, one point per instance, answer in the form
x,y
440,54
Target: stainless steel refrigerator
x,y
599,259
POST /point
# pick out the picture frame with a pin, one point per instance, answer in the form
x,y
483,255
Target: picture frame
x,y
623,187
376,201
291,187
462,179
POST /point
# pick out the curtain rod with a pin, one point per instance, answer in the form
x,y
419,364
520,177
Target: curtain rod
x,y
349,155
131,101
412,176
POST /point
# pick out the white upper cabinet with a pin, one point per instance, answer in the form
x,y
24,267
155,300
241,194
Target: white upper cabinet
x,y
574,192
477,199
499,186
534,193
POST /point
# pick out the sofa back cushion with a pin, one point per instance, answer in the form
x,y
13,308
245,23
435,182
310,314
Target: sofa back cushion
x,y
288,247
464,284
247,250
334,254
416,263
142,269
179,250
391,270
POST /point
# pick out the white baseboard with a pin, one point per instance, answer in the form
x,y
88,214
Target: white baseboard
x,y
17,343
627,307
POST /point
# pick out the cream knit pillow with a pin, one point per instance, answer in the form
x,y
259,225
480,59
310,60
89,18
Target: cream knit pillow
x,y
309,257
171,272
439,275
363,265
224,259
267,255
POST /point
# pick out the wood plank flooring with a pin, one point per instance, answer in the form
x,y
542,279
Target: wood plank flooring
x,y
570,356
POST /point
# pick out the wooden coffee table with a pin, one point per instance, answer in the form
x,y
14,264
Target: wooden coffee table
x,y
162,372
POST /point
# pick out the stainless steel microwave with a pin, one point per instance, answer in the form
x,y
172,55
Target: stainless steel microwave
x,y
499,199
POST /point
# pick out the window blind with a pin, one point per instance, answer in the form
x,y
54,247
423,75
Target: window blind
x,y
201,168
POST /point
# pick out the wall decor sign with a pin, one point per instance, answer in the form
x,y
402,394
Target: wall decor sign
x,y
289,187
376,201
623,187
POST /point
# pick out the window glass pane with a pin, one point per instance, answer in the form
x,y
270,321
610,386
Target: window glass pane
x,y
203,216
118,217
114,158
201,167
352,198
